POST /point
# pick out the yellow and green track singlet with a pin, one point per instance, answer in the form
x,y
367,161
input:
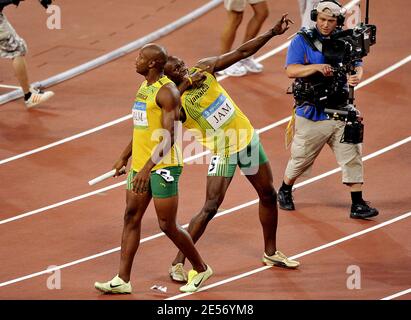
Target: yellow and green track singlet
x,y
214,118
148,129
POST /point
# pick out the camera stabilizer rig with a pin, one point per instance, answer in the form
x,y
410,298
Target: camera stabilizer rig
x,y
344,50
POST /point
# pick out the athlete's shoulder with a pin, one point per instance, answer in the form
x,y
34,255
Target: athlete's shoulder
x,y
164,80
168,95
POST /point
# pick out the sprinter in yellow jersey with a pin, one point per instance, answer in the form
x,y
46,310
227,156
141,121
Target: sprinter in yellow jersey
x,y
219,124
155,169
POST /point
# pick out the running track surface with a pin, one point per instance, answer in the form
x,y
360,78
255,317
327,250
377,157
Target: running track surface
x,y
233,243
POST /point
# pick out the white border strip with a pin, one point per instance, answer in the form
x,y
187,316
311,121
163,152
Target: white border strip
x,y
9,86
116,53
114,122
316,249
398,294
225,212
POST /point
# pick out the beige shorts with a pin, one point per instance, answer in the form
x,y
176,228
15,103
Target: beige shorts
x,y
309,139
239,5
11,45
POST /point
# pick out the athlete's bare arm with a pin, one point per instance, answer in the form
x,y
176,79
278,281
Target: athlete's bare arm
x,y
123,160
168,98
217,63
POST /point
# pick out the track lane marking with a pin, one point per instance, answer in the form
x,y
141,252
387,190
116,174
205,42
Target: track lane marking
x,y
225,212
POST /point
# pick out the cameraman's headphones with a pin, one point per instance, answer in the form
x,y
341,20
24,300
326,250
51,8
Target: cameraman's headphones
x,y
340,18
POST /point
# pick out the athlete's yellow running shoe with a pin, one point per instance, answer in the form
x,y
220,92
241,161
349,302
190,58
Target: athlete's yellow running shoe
x,y
177,273
195,280
116,285
280,260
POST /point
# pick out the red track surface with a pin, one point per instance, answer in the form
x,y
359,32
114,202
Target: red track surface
x,y
232,243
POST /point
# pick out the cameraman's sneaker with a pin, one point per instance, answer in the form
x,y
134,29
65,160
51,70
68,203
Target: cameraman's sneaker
x,y
362,211
236,70
116,285
177,273
251,65
285,199
280,260
37,97
195,280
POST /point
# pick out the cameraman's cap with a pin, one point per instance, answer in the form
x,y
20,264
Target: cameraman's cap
x,y
330,9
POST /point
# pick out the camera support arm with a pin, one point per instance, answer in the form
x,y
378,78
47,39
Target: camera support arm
x,y
352,68
367,11
351,88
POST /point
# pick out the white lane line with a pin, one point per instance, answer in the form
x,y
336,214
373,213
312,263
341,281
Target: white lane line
x,y
316,249
398,294
273,125
76,136
225,212
114,122
262,130
30,213
127,117
62,203
95,256
384,72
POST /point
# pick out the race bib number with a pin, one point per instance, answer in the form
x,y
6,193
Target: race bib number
x,y
165,174
219,112
212,168
140,115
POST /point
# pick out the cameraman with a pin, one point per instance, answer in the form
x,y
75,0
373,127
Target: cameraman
x,y
313,128
14,47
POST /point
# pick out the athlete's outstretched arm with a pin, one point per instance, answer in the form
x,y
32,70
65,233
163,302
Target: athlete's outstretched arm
x,y
168,98
247,49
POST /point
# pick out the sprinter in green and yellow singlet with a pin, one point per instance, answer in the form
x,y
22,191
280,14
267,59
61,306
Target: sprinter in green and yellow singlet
x,y
155,169
217,122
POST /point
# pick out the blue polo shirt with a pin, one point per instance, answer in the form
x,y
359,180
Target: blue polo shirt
x,y
300,52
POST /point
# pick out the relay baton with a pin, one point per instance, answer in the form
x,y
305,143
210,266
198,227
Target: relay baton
x,y
105,176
